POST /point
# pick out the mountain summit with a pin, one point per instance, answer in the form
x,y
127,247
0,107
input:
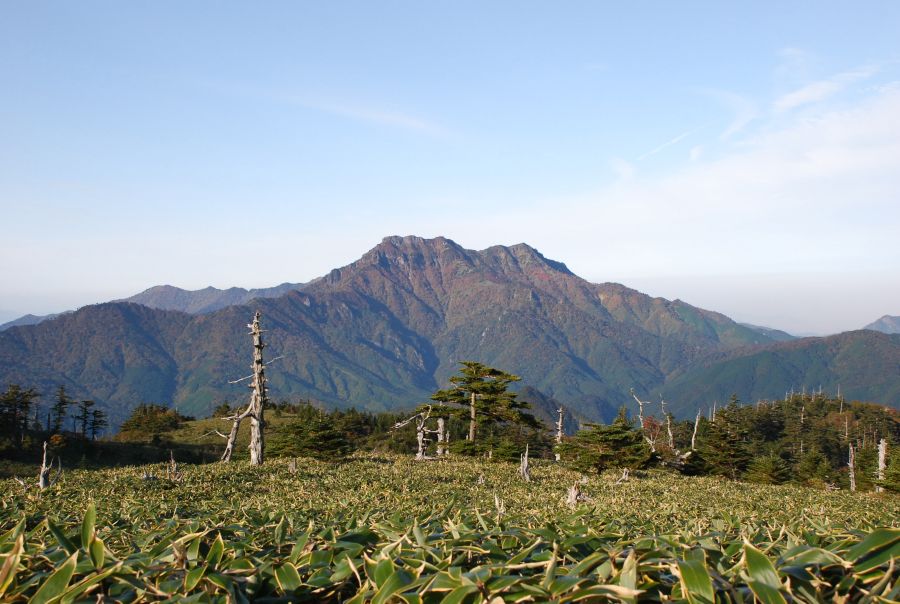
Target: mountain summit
x,y
386,330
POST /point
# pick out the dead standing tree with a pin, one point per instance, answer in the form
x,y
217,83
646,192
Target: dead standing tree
x,y
882,464
44,481
255,409
422,433
649,436
559,430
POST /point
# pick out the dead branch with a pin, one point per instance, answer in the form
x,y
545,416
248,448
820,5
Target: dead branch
x,y
248,377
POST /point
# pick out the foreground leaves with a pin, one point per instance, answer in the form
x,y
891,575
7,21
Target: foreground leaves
x,y
392,530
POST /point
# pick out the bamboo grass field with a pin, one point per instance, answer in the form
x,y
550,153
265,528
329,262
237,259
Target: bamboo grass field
x,y
389,529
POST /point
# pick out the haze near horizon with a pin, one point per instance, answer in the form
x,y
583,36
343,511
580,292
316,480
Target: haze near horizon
x,y
745,160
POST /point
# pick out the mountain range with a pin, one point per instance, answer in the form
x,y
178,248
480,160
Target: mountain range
x,y
387,330
886,324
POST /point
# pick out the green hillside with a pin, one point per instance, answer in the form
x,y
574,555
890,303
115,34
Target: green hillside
x,y
863,365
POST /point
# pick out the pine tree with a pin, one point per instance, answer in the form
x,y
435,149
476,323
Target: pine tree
x,y
768,469
618,445
813,469
84,415
15,406
318,437
59,410
891,480
726,444
483,396
97,423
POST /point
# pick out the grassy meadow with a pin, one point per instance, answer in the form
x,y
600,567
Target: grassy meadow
x,y
388,529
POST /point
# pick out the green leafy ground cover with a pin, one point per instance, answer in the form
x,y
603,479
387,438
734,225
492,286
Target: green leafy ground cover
x,y
388,529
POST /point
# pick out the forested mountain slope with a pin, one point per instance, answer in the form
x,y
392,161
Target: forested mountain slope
x,y
387,330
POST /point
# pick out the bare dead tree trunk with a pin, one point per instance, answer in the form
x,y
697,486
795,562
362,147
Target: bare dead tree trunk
x,y
559,430
694,435
258,397
882,463
441,431
472,418
650,441
421,431
172,472
44,480
668,417
420,436
851,464
574,495
523,466
232,436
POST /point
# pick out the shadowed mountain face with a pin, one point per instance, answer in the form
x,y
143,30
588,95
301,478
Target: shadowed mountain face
x,y
383,333
886,324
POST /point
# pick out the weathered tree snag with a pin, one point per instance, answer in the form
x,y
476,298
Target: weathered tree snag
x,y
44,480
624,477
172,472
442,437
851,464
421,431
523,466
882,463
650,441
258,397
696,425
232,436
668,417
559,430
575,495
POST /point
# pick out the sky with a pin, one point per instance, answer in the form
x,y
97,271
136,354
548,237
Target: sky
x,y
743,158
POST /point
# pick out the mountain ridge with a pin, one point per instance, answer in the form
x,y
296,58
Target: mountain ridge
x,y
385,331
886,324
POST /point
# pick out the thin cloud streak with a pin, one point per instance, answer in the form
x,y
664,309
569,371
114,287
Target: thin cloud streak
x,y
381,118
816,92
667,144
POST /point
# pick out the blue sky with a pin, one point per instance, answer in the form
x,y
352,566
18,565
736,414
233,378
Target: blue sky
x,y
744,159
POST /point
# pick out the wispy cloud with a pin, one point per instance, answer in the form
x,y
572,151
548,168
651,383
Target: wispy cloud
x,y
668,143
356,110
371,115
816,92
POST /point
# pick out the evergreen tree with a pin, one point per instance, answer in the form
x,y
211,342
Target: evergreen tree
x,y
148,421
482,395
318,437
768,469
618,445
891,480
15,406
97,423
813,469
59,410
726,444
84,416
